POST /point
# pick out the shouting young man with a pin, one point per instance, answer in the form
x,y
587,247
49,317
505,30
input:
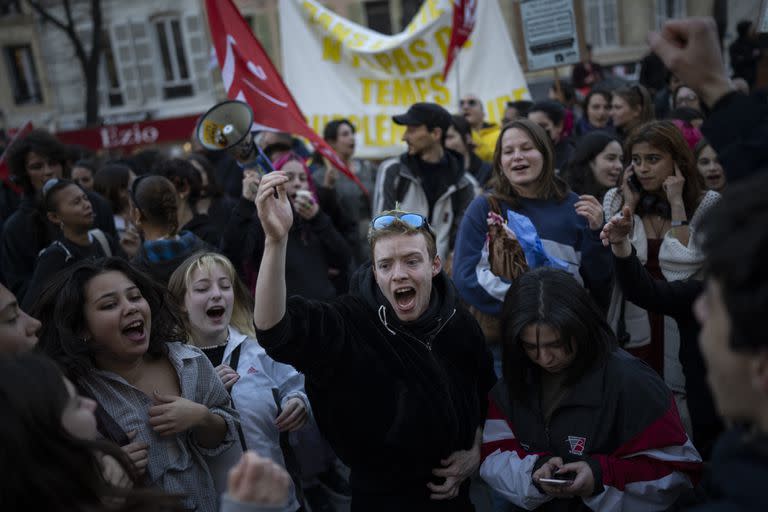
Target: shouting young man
x,y
397,371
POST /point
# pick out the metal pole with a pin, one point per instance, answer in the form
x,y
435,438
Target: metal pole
x,y
458,74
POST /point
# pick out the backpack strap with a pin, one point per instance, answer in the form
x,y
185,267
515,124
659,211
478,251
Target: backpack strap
x,y
401,187
234,360
100,237
291,462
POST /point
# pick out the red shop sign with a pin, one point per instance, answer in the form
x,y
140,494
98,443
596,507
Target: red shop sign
x,y
131,135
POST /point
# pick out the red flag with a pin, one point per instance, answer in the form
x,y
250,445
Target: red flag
x,y
4,170
249,76
461,28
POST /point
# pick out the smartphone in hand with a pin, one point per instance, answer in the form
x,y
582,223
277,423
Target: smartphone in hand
x,y
559,479
632,181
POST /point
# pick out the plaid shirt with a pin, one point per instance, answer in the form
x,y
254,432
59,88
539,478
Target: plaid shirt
x,y
157,251
177,464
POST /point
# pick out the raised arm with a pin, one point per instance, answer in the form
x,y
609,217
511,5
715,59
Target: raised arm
x,y
737,126
276,218
670,298
691,50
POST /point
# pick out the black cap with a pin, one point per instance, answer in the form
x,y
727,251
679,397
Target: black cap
x,y
430,114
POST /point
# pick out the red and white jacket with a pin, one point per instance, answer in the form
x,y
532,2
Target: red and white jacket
x,y
620,418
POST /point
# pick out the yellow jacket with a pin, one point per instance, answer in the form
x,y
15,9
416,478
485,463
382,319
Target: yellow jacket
x,y
485,141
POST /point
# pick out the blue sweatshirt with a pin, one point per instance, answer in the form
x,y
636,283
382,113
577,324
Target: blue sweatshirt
x,y
564,235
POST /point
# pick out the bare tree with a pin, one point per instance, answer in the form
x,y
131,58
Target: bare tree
x,y
89,62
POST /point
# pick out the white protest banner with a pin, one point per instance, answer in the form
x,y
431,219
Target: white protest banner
x,y
336,68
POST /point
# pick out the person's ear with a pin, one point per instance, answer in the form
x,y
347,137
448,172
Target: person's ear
x,y
437,134
54,218
135,215
183,189
437,265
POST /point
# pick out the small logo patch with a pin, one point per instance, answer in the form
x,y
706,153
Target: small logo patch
x,y
577,444
252,370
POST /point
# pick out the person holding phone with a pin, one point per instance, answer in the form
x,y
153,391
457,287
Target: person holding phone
x,y
577,423
665,195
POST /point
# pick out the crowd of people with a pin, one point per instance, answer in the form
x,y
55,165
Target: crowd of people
x,y
560,312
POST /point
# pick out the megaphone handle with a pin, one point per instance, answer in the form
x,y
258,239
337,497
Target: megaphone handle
x,y
268,163
263,155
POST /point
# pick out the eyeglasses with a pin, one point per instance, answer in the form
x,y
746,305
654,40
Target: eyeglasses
x,y
471,102
413,220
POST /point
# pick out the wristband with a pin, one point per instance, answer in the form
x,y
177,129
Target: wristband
x,y
679,223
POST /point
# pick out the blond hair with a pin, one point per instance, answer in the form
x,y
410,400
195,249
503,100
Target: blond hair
x,y
181,279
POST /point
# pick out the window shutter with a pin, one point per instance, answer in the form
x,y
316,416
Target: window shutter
x,y
126,61
145,67
199,52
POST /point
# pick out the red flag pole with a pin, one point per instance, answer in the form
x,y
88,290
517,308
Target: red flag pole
x,y
250,76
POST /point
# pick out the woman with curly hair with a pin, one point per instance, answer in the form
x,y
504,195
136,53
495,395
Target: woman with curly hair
x,y
118,337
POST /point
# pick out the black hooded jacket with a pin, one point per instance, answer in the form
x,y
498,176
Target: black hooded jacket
x,y
738,473
392,399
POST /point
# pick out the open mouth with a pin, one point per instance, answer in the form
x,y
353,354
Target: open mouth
x,y
215,313
135,331
405,297
518,168
713,178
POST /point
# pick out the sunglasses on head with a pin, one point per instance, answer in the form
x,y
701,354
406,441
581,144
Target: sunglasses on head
x,y
413,220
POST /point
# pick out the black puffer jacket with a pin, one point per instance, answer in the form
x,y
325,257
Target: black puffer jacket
x,y
391,404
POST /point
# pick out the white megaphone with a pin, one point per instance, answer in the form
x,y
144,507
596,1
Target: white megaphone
x,y
227,127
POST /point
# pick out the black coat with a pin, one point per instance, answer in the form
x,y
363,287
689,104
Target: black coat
x,y
737,128
675,299
27,232
314,246
390,407
739,470
59,255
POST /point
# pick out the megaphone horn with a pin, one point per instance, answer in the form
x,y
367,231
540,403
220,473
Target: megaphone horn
x,y
227,127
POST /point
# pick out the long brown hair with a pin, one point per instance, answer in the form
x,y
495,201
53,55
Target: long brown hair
x,y
664,136
547,185
636,96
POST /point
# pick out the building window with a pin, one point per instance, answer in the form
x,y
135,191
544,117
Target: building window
x,y
114,92
410,8
23,75
602,27
176,79
669,9
8,7
378,17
